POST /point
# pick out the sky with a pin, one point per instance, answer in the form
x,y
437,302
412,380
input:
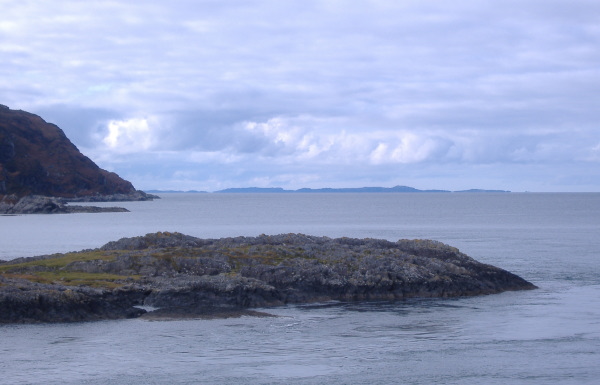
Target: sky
x,y
212,94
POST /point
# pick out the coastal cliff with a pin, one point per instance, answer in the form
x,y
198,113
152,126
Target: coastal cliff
x,y
38,160
177,275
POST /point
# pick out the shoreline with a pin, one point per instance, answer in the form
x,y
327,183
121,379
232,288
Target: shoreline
x,y
39,204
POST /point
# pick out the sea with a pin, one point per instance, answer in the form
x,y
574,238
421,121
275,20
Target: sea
x,y
550,335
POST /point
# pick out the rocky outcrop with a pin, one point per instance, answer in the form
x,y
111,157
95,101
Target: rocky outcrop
x,y
181,274
37,159
132,196
31,303
35,204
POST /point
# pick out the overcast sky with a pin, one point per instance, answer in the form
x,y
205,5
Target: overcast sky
x,y
206,95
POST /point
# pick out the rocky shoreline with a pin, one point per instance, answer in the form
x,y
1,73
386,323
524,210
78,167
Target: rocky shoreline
x,y
176,275
37,204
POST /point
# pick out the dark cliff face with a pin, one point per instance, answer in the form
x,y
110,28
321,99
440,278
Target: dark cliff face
x,y
36,158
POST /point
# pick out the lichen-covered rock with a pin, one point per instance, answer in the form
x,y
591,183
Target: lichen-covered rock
x,y
179,272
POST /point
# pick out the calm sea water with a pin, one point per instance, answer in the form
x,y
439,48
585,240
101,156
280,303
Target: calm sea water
x,y
549,335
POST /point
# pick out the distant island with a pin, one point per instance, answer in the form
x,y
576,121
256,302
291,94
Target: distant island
x,y
176,192
279,190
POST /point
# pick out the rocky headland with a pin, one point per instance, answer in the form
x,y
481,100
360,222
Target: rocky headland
x,y
171,275
41,170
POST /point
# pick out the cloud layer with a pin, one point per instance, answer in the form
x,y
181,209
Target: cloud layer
x,y
211,94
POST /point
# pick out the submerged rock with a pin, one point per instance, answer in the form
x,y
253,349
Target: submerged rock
x,y
180,274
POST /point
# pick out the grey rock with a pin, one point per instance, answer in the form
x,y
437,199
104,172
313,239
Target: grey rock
x,y
182,274
37,204
22,302
130,197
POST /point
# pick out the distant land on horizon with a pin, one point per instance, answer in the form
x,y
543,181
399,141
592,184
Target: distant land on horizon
x,y
279,190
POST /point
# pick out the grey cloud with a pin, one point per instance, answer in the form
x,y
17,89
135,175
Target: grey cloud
x,y
81,125
475,83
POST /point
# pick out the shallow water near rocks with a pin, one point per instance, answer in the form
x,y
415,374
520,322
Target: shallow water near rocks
x,y
549,335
